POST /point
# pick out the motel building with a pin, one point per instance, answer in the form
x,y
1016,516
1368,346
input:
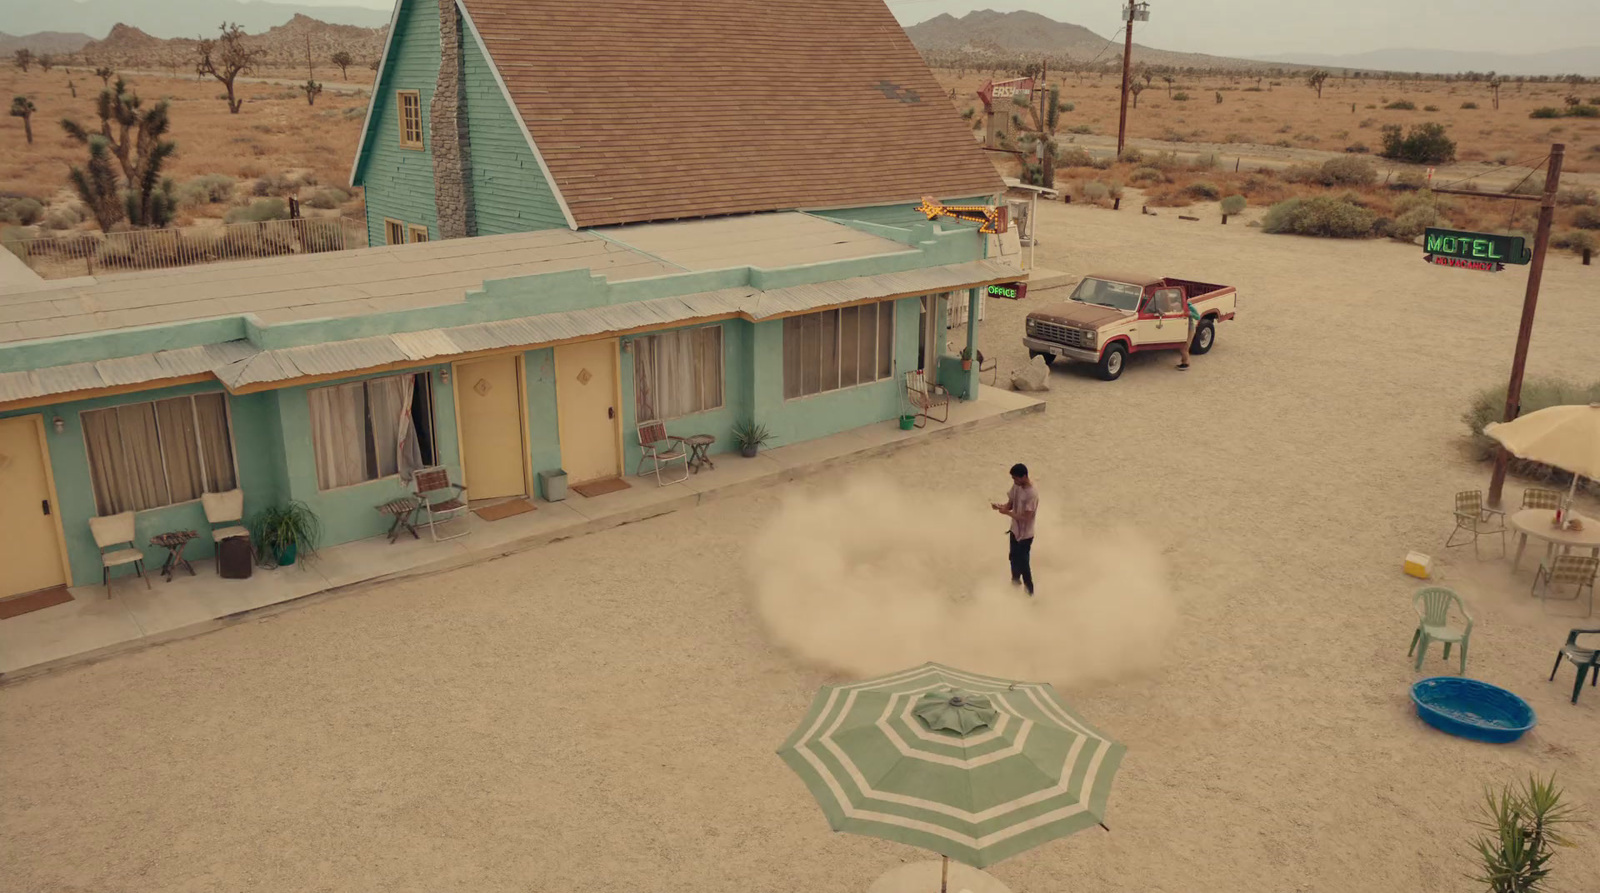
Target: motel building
x,y
727,231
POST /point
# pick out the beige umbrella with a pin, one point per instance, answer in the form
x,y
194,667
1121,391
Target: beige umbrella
x,y
1567,437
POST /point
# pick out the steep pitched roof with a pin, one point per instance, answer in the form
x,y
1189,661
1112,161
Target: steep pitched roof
x,y
651,110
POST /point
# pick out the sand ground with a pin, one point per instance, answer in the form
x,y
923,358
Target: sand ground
x,y
601,714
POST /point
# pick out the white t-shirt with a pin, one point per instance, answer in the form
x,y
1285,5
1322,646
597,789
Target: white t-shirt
x,y
1023,499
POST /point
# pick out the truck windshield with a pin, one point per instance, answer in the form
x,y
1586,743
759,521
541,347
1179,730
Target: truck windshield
x,y
1108,294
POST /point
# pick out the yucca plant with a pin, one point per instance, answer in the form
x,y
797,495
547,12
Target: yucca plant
x,y
750,437
1521,830
284,532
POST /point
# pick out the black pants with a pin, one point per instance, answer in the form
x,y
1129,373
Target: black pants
x,y
1021,554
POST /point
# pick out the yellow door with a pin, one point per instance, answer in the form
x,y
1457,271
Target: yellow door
x,y
30,547
489,407
586,410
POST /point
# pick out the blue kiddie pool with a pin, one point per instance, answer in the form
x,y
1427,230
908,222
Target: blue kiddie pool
x,y
1472,709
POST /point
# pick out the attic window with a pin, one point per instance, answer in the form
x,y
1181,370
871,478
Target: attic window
x,y
410,119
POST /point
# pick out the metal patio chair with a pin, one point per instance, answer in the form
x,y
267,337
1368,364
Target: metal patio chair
x,y
1477,521
926,399
442,500
1558,570
1539,498
657,446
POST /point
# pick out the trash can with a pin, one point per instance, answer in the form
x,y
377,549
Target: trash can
x,y
554,485
235,561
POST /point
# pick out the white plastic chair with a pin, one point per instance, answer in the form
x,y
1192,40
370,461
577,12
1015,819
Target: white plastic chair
x,y
112,531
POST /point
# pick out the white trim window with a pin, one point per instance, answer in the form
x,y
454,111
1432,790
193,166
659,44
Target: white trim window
x,y
164,452
367,430
677,373
837,349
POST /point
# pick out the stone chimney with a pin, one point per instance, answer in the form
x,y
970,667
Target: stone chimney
x,y
452,150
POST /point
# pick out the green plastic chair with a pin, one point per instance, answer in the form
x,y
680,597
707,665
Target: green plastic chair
x,y
1433,623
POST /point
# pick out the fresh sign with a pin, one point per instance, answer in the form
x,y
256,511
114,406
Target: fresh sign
x,y
1476,251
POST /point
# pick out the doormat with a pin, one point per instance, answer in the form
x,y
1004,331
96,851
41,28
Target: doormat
x,y
33,601
504,509
599,488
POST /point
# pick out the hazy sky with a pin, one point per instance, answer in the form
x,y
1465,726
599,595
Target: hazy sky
x,y
1271,27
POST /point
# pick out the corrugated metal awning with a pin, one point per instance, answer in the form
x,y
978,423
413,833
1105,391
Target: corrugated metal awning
x,y
240,365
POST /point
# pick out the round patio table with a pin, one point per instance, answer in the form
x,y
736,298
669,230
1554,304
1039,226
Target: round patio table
x,y
1537,524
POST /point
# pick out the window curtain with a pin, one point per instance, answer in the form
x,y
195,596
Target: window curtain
x,y
409,455
216,447
180,448
793,361
385,401
338,434
708,366
644,380
675,374
885,339
125,458
850,347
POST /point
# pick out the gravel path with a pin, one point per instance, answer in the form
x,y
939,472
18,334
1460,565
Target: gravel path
x,y
601,714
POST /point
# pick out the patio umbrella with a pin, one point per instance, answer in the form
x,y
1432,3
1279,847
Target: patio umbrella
x,y
972,767
1567,437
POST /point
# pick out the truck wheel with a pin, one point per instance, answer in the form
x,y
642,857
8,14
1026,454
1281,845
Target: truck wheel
x,y
1049,358
1205,337
1111,363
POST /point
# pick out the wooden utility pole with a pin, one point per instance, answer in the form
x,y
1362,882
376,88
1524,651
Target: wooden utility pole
x,y
1530,299
1140,11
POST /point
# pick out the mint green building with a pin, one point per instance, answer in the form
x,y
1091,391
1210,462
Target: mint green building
x,y
545,278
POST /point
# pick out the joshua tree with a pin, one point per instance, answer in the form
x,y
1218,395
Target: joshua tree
x,y
140,149
1136,88
227,57
46,62
1521,830
373,63
311,88
1148,75
23,107
1316,79
104,73
344,60
1494,85
73,87
1040,137
22,59
97,184
1169,79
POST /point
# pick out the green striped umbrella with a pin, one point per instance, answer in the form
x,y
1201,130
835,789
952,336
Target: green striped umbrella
x,y
972,767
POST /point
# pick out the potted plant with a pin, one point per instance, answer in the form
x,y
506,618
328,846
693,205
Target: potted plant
x,y
750,437
283,532
966,359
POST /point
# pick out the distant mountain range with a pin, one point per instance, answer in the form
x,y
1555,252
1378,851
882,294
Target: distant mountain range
x,y
54,43
285,44
170,18
1576,60
987,31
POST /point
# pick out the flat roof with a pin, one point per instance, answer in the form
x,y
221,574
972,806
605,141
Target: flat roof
x,y
401,277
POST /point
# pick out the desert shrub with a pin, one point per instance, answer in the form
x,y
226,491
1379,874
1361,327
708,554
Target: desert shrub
x,y
1303,173
21,210
1537,393
1408,181
1422,144
204,190
1308,138
1114,189
1586,218
1103,164
1402,105
1527,186
1469,104
1180,96
1283,144
1584,111
1132,156
1079,128
62,218
271,184
1202,189
1205,162
1368,122
1236,137
1574,241
1357,149
258,211
1172,136
1409,225
1370,106
1074,156
1547,111
327,198
1286,128
1418,199
1234,204
1145,175
1578,195
1430,108
254,242
1094,191
1504,158
1348,172
1252,90
1319,216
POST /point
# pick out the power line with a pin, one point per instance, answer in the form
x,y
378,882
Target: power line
x,y
1533,166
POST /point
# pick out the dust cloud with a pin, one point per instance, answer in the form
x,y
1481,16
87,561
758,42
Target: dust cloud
x,y
873,578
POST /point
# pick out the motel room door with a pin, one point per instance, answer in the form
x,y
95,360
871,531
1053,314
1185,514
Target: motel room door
x,y
489,405
588,411
30,544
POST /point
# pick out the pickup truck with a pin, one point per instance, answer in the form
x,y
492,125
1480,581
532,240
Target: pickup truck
x,y
1110,316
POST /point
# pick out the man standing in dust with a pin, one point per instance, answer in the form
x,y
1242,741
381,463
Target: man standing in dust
x,y
1021,506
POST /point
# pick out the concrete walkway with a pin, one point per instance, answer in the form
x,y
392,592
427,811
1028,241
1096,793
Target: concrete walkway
x,y
92,626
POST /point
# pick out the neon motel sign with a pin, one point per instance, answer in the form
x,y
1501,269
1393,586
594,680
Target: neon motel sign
x,y
1488,252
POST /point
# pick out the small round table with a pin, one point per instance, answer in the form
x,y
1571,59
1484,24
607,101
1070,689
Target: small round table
x,y
698,444
174,542
1537,524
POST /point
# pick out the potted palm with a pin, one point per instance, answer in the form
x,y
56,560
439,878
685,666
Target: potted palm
x,y
284,532
750,437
